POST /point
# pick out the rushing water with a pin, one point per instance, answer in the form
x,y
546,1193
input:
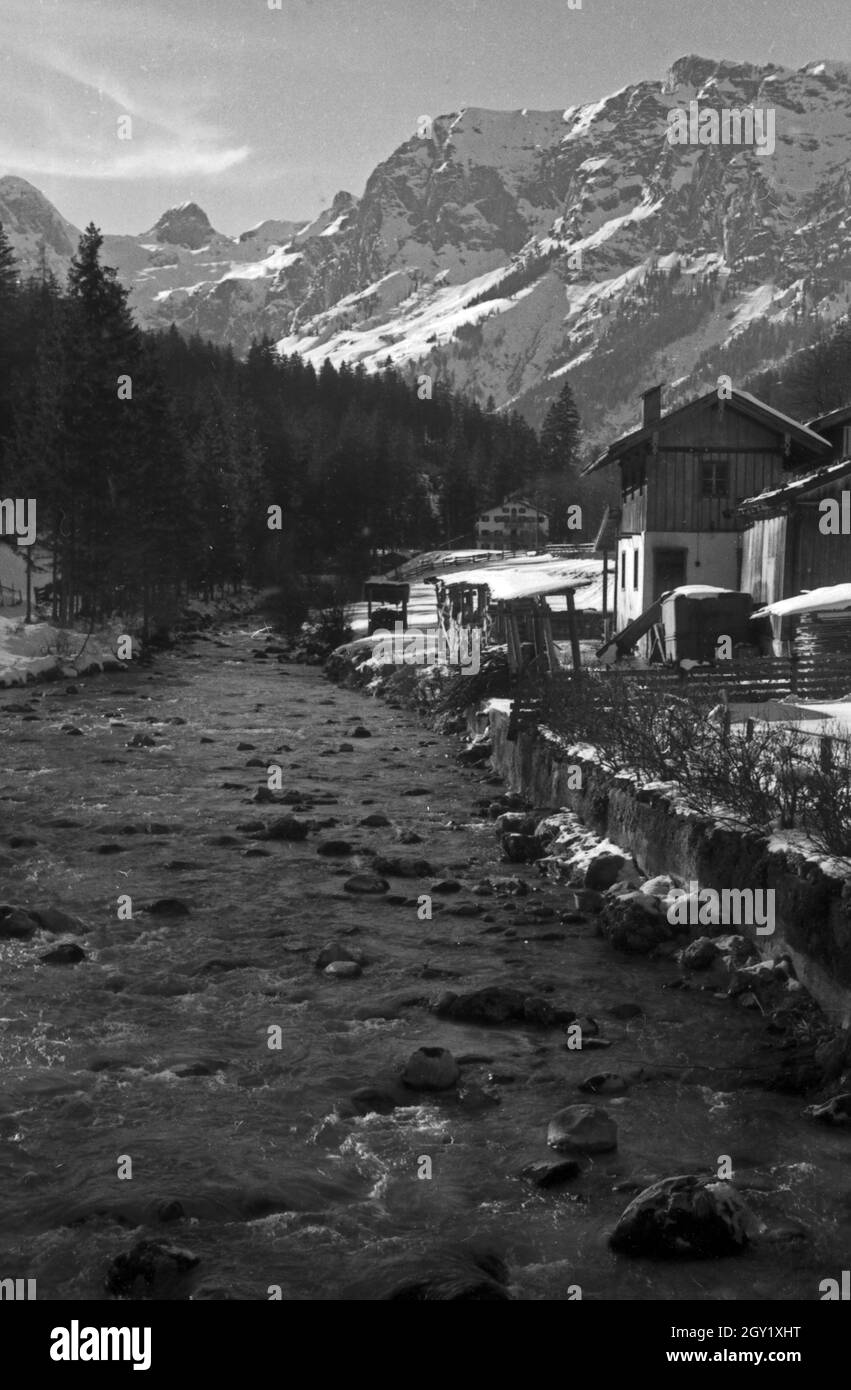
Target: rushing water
x,y
156,1046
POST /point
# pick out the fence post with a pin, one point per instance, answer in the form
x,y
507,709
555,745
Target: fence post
x,y
825,752
726,718
749,727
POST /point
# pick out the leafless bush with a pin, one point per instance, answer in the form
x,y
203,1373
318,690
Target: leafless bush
x,y
762,775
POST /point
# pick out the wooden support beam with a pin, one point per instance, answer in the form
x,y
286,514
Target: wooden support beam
x,y
576,655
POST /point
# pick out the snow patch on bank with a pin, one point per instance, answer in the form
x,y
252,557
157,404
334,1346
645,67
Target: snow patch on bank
x,y
34,651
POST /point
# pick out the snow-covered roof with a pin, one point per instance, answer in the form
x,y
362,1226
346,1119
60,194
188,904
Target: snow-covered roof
x,y
774,497
696,591
525,580
832,597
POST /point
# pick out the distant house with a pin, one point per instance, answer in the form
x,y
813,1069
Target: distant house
x,y
798,533
684,475
516,525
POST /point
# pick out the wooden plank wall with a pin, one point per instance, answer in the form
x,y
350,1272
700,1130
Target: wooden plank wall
x,y
817,559
763,555
676,501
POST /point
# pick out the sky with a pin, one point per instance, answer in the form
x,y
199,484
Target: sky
x,y
255,111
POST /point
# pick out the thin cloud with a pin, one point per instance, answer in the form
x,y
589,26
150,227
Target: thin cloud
x,y
59,94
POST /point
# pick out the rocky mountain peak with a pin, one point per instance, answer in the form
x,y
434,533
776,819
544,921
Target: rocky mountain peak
x,y
28,218
186,225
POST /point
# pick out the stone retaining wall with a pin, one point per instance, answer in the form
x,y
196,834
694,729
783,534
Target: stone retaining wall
x,y
812,907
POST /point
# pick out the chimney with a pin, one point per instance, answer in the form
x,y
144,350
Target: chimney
x,y
652,400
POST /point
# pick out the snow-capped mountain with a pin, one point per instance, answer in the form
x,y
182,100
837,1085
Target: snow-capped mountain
x,y
503,249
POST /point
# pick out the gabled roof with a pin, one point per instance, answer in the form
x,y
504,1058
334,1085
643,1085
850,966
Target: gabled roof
x,y
742,401
774,499
833,417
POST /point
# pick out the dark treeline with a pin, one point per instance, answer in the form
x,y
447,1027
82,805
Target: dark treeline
x,y
154,460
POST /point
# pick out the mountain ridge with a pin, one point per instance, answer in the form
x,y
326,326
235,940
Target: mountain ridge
x,y
503,250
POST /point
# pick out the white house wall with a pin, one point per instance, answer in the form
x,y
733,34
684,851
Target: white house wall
x,y
712,557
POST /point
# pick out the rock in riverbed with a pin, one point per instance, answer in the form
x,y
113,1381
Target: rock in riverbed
x,y
431,1069
635,923
548,1172
16,922
497,1004
344,969
683,1217
366,883
150,1269
68,953
286,828
583,1128
334,951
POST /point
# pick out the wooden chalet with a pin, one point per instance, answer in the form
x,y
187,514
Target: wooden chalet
x,y
683,477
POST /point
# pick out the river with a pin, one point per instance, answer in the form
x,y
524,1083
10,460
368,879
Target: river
x,y
155,1048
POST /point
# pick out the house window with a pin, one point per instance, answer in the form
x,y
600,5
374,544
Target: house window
x,y
623,569
635,569
714,477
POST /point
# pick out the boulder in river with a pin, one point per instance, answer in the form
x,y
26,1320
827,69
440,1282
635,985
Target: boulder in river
x,y
604,1083
603,870
683,1217
168,907
286,828
635,923
344,969
17,922
583,1129
500,1004
334,951
375,819
521,849
398,866
334,849
366,884
68,953
431,1069
150,1269
550,1172
699,954
475,1274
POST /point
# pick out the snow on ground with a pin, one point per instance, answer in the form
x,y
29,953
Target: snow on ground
x,y
523,577
279,259
439,311
28,652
